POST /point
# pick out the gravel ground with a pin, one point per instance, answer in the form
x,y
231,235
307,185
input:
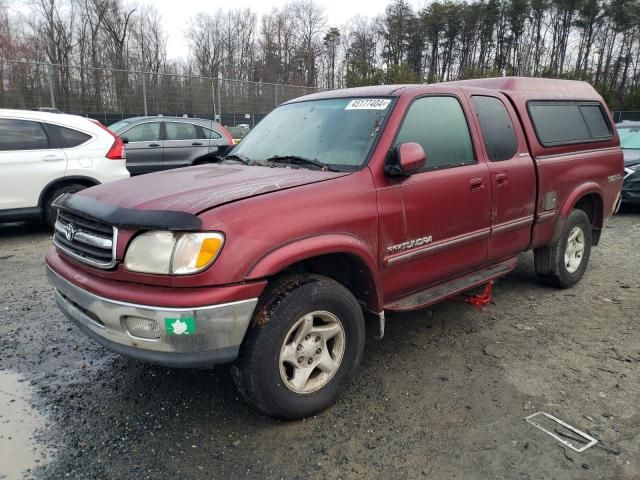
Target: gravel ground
x,y
443,396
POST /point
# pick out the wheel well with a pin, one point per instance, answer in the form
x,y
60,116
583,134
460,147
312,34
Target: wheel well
x,y
346,269
591,204
49,189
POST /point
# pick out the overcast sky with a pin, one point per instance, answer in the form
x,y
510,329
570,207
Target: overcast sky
x,y
176,13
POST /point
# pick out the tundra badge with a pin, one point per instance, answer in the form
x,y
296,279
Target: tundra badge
x,y
418,242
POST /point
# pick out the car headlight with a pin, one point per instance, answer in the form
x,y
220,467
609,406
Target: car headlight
x,y
635,168
173,253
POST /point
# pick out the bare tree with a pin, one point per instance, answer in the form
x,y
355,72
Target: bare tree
x,y
311,21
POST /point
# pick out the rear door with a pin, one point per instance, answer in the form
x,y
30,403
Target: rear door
x,y
435,224
215,140
80,156
513,176
143,145
28,163
184,143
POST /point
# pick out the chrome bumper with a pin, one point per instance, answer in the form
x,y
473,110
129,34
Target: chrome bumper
x,y
215,337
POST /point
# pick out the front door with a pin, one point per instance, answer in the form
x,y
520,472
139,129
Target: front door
x,y
513,177
435,224
143,145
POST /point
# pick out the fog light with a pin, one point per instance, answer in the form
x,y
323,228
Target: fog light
x,y
141,327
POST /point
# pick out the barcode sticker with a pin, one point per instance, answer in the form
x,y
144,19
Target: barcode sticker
x,y
368,104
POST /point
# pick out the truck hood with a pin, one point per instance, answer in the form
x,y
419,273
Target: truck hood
x,y
196,189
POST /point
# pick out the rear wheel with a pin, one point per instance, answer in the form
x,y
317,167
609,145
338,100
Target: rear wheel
x,y
564,264
49,213
306,340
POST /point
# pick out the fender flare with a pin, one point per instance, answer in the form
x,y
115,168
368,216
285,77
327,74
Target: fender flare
x,y
299,250
575,195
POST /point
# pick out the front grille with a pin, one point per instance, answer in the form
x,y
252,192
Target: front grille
x,y
86,240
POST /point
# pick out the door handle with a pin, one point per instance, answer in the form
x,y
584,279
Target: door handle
x,y
52,158
501,179
196,144
154,145
476,184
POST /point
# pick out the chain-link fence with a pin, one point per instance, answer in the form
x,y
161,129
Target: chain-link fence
x,y
110,94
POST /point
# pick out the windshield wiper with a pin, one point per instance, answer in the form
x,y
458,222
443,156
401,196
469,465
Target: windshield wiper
x,y
298,160
238,157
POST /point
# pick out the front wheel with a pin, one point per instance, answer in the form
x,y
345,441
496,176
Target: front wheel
x,y
564,264
306,340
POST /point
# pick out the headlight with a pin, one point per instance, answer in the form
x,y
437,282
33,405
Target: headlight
x,y
635,168
173,253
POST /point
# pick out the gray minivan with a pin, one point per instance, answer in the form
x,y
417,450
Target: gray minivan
x,y
161,143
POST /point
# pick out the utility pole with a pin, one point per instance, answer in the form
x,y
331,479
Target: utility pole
x,y
50,74
144,84
219,102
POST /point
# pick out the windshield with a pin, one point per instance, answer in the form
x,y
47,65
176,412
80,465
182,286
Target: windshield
x,y
116,127
629,137
337,132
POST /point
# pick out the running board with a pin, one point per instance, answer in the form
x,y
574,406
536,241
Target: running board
x,y
445,290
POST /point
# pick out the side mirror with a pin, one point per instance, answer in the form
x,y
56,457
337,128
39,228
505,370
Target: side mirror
x,y
125,140
405,159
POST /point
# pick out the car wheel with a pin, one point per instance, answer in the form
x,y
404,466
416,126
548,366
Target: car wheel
x,y
305,342
49,213
564,264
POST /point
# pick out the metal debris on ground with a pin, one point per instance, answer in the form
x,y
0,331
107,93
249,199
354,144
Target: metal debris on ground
x,y
586,441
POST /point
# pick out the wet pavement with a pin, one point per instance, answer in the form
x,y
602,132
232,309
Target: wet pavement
x,y
442,396
19,451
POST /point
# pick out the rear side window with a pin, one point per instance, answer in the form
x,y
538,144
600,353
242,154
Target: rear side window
x,y
210,134
497,128
180,131
596,121
22,135
439,125
67,137
145,132
565,123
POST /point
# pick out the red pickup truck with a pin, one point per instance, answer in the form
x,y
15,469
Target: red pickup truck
x,y
366,200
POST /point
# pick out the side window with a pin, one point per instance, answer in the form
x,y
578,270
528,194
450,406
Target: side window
x,y
180,131
22,135
564,123
145,132
210,134
497,128
67,137
439,125
596,123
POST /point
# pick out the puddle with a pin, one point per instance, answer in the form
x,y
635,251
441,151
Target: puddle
x,y
18,424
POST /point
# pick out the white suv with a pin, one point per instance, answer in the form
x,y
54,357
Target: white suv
x,y
43,155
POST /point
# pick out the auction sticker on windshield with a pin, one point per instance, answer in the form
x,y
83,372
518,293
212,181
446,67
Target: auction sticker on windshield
x,y
368,104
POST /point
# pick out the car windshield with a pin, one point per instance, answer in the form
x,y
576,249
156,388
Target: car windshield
x,y
337,132
629,137
116,127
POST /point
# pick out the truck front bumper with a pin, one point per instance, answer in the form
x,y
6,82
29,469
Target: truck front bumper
x,y
201,337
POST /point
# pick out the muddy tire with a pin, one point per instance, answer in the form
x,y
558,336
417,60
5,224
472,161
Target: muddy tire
x,y
564,264
49,213
305,342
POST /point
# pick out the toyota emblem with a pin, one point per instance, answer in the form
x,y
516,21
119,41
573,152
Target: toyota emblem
x,y
69,231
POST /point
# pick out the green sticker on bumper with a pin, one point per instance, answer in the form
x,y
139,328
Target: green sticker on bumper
x,y
180,326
